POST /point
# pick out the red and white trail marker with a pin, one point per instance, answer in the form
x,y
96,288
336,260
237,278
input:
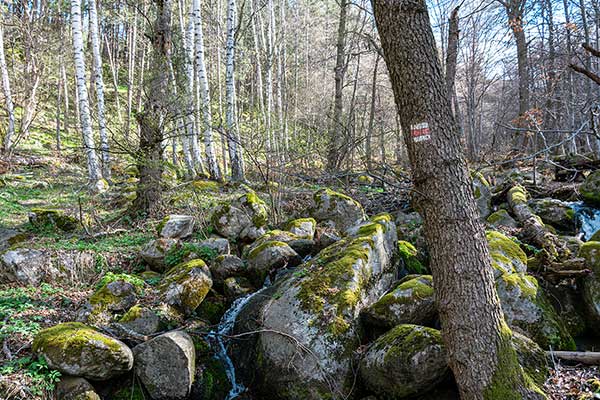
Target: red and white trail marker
x,y
420,132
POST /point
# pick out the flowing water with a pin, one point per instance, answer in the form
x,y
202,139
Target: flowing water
x,y
588,219
218,341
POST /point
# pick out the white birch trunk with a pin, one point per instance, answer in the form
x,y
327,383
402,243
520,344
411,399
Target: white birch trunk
x,y
94,173
204,94
233,138
269,81
10,133
99,80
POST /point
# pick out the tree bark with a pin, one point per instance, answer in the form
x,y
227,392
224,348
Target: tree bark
x,y
99,80
473,328
211,158
336,141
10,132
233,137
94,172
452,55
151,119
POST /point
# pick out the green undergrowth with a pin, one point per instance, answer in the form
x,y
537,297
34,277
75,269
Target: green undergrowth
x,y
42,378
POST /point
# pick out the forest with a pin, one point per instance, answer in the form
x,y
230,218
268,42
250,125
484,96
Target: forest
x,y
299,199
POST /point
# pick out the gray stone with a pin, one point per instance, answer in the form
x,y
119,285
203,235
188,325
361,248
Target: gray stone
x,y
74,388
236,287
141,320
154,253
336,209
166,365
556,213
268,258
219,245
411,302
176,226
79,350
227,266
406,361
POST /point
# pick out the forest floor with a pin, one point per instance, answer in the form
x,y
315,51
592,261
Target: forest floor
x,y
44,179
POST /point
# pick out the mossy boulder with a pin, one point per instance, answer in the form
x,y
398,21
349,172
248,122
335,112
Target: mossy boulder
x,y
303,228
501,218
186,285
408,258
43,218
524,303
590,252
236,287
79,350
166,365
337,209
483,194
176,226
532,358
218,245
410,229
10,237
245,218
507,256
112,297
267,258
155,251
526,306
211,382
318,305
406,361
556,213
590,189
411,302
74,388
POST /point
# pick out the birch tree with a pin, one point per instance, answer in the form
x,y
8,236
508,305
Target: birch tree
x,y
94,172
99,80
10,132
233,137
204,94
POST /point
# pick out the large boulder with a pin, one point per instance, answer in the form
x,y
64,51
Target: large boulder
x,y
337,209
220,246
79,350
155,251
523,301
317,305
406,361
269,257
10,237
166,364
186,285
176,227
245,218
556,213
590,189
411,302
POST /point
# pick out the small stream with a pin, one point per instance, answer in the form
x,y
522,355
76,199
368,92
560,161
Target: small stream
x,y
218,341
588,219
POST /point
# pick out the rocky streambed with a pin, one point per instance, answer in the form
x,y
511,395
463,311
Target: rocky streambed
x,y
333,304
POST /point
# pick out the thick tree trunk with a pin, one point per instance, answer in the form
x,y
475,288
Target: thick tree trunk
x,y
94,173
152,118
473,328
10,132
204,97
233,137
336,141
99,80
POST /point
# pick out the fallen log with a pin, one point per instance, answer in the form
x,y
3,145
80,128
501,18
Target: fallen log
x,y
583,357
533,227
